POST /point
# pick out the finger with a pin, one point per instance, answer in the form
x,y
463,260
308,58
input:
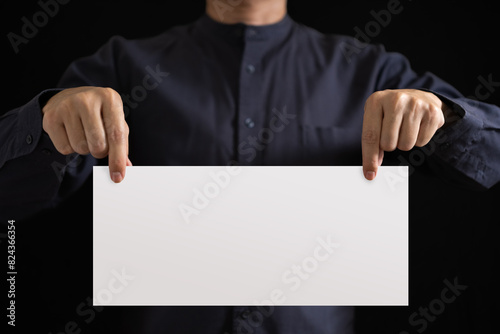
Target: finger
x,y
408,133
370,138
428,127
60,139
76,134
95,133
425,134
117,136
380,157
389,135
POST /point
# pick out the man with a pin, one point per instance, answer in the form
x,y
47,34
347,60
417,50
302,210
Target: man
x,y
246,86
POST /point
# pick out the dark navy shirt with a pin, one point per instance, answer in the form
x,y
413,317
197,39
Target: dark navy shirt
x,y
213,94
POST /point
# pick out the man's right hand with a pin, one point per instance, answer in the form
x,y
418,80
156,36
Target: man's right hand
x,y
89,120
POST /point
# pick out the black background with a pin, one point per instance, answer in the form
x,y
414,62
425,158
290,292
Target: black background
x,y
453,232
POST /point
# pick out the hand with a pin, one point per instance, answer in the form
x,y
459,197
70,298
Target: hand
x,y
403,119
89,120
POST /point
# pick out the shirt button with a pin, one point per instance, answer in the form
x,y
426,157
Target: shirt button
x,y
46,151
251,33
249,123
29,139
250,68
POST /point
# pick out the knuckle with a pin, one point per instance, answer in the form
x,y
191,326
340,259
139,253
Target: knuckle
x,y
96,136
399,94
110,95
413,108
64,149
118,133
369,137
80,98
380,93
436,115
401,97
82,147
404,146
108,91
387,144
47,109
79,103
83,151
67,105
421,142
373,99
49,122
98,149
417,105
126,129
99,155
433,117
441,122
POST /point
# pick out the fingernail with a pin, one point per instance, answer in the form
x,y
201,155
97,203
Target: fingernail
x,y
116,177
370,175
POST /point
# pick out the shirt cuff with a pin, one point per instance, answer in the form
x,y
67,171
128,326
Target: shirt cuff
x,y
29,126
456,143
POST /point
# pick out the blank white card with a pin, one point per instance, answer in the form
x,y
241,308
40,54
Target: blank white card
x,y
251,236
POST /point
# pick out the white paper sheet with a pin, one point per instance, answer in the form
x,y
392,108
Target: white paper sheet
x,y
251,235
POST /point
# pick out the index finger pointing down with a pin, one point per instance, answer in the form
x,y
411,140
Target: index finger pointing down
x,y
117,136
370,140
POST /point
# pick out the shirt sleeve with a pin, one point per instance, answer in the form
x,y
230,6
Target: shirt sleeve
x,y
33,174
468,150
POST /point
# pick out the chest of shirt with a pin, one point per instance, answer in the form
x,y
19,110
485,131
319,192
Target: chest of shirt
x,y
252,105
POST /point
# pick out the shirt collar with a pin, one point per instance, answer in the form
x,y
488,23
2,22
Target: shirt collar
x,y
240,31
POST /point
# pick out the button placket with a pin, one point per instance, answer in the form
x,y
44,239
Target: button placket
x,y
249,92
240,316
